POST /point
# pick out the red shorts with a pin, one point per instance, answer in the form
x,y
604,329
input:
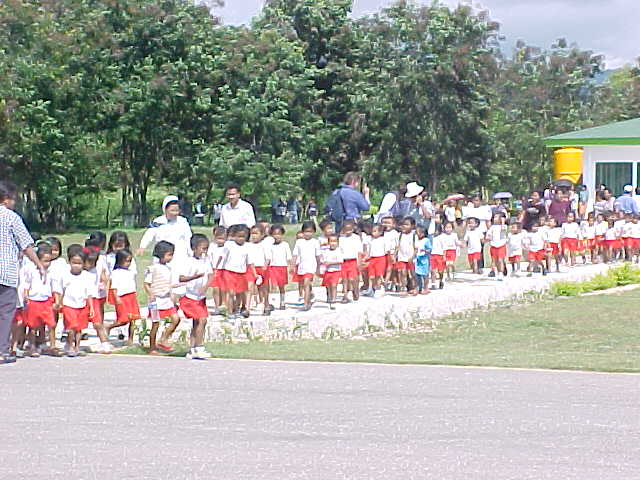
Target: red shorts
x,y
18,317
617,243
473,257
350,269
278,276
235,282
589,243
262,271
599,240
297,278
128,310
216,279
635,243
98,304
111,297
391,260
553,249
537,256
438,263
569,244
514,258
450,255
194,308
331,278
166,312
377,266
39,313
498,253
75,318
628,242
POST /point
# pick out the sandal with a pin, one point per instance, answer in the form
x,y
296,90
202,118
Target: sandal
x,y
165,348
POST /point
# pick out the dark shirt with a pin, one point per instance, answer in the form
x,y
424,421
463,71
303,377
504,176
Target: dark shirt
x,y
531,216
559,210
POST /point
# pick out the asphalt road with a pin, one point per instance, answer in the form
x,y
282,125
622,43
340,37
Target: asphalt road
x,y
146,418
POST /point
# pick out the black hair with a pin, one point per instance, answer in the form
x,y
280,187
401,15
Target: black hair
x,y
333,235
232,186
91,257
387,216
96,239
162,248
7,190
74,250
54,242
219,231
348,223
421,229
277,229
376,226
308,225
243,229
43,248
411,220
398,219
197,239
121,256
324,223
36,236
476,220
117,237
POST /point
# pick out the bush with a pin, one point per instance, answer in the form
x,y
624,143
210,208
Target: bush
x,y
616,277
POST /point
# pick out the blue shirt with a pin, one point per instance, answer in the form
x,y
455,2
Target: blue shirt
x,y
353,201
626,204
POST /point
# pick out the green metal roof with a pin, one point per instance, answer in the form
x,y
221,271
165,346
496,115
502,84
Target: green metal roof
x,y
620,133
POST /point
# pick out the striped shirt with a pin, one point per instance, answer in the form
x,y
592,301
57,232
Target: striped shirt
x,y
14,238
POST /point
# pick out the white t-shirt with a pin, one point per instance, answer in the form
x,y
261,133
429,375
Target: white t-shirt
x,y
236,257
627,230
514,244
196,289
280,254
437,247
450,241
482,213
553,235
407,246
602,227
619,226
497,235
391,240
377,247
351,246
111,263
331,259
635,230
267,242
95,282
306,253
473,239
75,289
366,242
215,253
58,268
588,231
570,230
38,288
450,214
535,241
123,281
242,214
611,234
257,254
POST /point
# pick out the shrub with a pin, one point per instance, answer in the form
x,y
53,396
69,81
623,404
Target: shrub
x,y
615,277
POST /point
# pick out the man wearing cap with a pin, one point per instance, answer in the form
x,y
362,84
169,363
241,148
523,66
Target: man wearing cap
x,y
237,211
625,203
170,227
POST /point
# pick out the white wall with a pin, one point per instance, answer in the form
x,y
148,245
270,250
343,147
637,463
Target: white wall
x,y
592,155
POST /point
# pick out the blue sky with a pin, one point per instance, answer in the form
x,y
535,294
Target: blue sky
x,y
609,27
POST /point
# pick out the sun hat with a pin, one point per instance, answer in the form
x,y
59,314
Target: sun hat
x,y
169,199
628,188
413,189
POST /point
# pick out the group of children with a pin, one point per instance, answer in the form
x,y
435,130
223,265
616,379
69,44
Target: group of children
x,y
243,265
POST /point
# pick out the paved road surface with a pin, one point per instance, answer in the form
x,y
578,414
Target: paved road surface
x,y
144,418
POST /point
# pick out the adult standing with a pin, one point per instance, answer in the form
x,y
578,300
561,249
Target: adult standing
x,y
532,208
560,207
392,202
14,238
353,202
236,211
625,202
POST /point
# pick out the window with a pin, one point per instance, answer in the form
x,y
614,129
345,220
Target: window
x,y
614,175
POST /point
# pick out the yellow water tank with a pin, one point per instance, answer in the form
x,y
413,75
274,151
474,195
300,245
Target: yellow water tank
x,y
567,164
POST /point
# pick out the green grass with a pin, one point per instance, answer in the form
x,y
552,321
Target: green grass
x,y
600,333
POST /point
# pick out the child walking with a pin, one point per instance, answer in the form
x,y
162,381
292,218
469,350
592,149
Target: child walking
x,y
352,250
535,243
423,253
331,262
258,283
122,290
97,279
38,301
306,258
552,240
570,239
279,261
438,263
514,247
196,274
497,236
57,269
376,259
405,257
216,253
450,244
473,238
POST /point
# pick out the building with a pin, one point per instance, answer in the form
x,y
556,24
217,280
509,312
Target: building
x,y
609,155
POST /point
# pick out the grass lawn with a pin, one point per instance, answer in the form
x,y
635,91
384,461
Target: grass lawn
x,y
599,333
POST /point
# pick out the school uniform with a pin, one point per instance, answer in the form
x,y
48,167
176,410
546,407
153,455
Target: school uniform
x,y
216,254
279,260
39,297
257,258
610,238
332,261
110,259
123,286
391,240
75,291
236,262
588,233
162,278
306,252
438,263
535,243
377,257
497,235
450,245
407,243
514,246
473,239
194,302
635,235
570,236
601,229
352,249
627,232
94,280
553,236
619,227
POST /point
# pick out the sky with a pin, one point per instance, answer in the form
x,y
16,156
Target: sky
x,y
608,27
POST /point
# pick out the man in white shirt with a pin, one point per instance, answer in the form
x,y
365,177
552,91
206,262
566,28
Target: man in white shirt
x,y
237,211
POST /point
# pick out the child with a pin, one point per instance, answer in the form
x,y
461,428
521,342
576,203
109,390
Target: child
x,y
423,252
97,242
279,261
570,238
588,233
122,289
352,251
405,256
258,283
196,274
610,240
438,263
552,240
627,238
618,245
514,247
119,241
450,245
376,259
473,238
601,228
497,236
215,253
326,227
236,263
57,269
331,261
364,227
38,300
306,258
635,238
391,236
97,279
535,242
73,298
159,280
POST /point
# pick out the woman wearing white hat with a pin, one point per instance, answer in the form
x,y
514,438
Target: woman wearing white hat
x,y
408,201
170,227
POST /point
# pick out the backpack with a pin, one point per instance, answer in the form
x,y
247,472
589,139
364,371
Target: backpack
x,y
334,207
